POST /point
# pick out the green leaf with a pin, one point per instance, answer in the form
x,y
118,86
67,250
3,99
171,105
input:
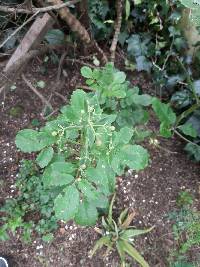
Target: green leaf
x,y
134,232
90,136
58,174
55,37
134,156
123,215
129,249
110,212
193,151
188,129
189,3
163,112
119,77
66,205
86,72
45,157
48,237
137,2
101,202
27,141
143,100
103,176
87,189
120,251
123,136
78,105
165,130
87,214
143,63
127,8
103,241
41,84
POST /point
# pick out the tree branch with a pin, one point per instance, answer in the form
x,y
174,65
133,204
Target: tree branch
x,y
118,22
18,29
42,98
37,10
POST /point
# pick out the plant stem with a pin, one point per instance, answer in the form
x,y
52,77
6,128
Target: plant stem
x,y
184,138
186,113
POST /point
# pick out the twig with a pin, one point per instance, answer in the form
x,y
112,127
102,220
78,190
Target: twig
x,y
104,58
43,99
117,29
9,75
18,29
60,66
79,86
61,96
37,10
72,22
167,150
52,113
73,60
1,89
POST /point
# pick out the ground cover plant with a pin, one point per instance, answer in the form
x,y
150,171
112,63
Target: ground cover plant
x,y
185,229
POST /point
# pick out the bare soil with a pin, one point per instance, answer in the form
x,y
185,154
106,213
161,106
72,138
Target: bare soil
x,y
152,193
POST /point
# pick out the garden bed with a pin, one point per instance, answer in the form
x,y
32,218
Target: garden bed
x,y
152,193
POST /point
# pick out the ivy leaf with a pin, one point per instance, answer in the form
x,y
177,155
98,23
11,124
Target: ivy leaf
x,y
143,63
45,157
188,129
136,47
66,205
27,141
58,174
195,121
55,37
86,72
193,151
163,112
87,214
143,100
